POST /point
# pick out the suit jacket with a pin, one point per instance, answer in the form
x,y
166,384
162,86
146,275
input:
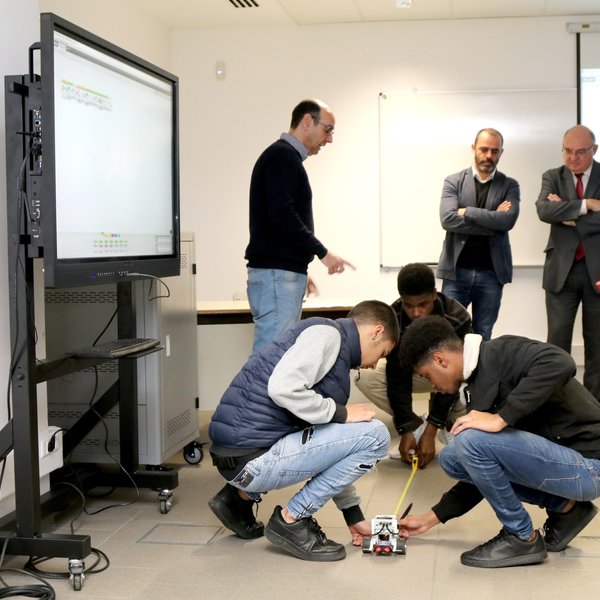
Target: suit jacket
x,y
459,192
563,239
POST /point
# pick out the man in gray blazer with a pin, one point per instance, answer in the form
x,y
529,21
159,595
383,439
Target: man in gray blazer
x,y
569,201
479,207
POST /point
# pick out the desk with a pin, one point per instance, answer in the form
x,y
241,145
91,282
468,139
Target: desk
x,y
238,311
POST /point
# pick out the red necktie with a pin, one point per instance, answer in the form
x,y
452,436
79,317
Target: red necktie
x,y
579,251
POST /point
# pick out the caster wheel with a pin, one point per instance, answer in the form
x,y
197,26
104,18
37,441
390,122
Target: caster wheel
x,y
165,499
77,582
193,453
76,573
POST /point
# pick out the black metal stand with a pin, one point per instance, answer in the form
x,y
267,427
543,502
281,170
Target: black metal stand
x,y
23,530
20,434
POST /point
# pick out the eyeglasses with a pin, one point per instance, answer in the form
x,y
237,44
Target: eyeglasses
x,y
328,128
578,152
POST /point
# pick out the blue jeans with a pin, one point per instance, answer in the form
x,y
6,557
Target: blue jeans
x,y
512,466
275,298
483,291
328,457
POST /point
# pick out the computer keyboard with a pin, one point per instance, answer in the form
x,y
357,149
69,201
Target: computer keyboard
x,y
116,348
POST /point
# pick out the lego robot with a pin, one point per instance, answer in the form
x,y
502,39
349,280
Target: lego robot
x,y
384,540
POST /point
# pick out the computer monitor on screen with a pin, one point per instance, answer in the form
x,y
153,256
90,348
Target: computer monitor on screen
x,y
105,158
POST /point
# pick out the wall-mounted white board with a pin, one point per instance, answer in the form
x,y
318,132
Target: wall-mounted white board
x,y
424,137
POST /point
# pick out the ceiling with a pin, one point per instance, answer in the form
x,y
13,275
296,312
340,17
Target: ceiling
x,y
181,14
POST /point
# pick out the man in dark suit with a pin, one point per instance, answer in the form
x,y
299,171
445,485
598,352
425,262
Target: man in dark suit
x,y
569,201
479,206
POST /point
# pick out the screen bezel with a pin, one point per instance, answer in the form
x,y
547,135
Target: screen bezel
x,y
59,272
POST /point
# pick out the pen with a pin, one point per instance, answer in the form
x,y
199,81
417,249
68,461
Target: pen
x,y
405,513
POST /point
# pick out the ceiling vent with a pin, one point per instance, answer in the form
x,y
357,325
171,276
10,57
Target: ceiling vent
x,y
244,3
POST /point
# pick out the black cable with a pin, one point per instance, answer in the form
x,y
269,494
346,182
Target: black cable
x,y
112,318
153,278
22,197
44,591
31,566
113,458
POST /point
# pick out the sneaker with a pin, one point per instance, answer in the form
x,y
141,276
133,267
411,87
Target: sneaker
x,y
506,550
394,454
304,538
418,432
444,436
561,528
236,513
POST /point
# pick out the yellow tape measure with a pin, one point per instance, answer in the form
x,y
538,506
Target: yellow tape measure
x,y
415,466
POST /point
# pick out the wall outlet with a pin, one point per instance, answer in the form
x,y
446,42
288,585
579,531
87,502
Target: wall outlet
x,y
50,441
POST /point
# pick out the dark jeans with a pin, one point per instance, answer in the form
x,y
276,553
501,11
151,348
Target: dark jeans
x,y
483,291
561,310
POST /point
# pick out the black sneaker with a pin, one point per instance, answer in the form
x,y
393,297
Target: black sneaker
x,y
561,528
236,513
304,538
506,550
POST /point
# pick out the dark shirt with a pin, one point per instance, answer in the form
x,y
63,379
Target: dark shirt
x,y
476,251
399,377
281,217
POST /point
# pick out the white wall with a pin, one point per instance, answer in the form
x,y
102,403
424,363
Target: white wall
x,y
119,23
226,124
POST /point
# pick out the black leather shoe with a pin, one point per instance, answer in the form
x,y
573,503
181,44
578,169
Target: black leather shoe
x,y
561,528
304,538
506,550
236,513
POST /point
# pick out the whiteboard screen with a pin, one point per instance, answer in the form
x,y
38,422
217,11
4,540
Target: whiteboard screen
x,y
424,137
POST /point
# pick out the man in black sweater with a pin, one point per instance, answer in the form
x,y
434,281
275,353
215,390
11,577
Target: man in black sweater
x,y
282,239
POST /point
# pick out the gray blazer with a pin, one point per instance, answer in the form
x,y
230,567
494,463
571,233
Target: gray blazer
x,y
459,192
563,239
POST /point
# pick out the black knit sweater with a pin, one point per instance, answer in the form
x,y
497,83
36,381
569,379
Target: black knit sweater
x,y
281,219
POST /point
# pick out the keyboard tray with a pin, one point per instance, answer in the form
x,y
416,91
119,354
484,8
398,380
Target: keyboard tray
x,y
116,348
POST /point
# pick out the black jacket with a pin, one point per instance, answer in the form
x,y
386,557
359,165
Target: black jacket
x,y
531,385
399,377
